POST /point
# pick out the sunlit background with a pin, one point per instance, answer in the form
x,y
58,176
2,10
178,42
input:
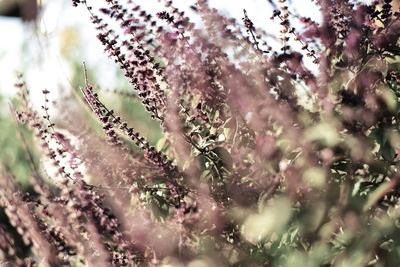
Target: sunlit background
x,y
48,46
46,42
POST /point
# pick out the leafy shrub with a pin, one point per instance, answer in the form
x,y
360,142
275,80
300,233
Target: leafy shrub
x,y
263,162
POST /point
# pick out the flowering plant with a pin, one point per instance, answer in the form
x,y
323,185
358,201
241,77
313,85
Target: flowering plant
x,y
264,161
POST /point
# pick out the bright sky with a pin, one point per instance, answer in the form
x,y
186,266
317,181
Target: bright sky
x,y
38,56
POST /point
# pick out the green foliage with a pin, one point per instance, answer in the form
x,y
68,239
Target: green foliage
x,y
13,156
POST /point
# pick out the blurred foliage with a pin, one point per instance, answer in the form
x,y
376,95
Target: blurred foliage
x,y
12,155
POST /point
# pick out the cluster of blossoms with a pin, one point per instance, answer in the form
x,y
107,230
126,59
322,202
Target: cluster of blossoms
x,y
264,161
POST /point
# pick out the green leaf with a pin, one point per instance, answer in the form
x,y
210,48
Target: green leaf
x,y
196,100
205,174
225,157
387,151
377,194
227,133
208,143
187,164
161,143
324,132
160,208
356,188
